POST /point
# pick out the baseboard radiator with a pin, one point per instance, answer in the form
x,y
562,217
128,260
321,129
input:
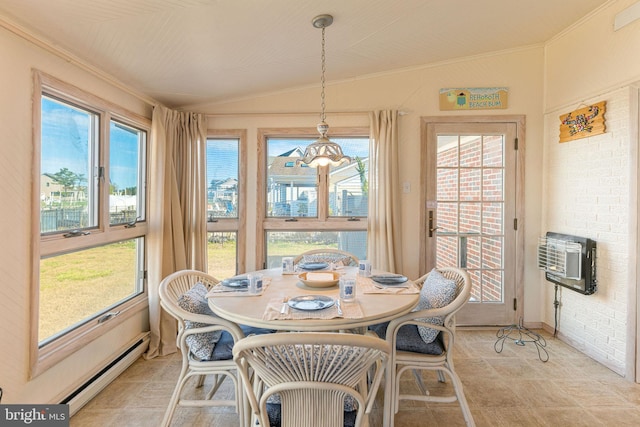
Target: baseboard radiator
x,y
87,391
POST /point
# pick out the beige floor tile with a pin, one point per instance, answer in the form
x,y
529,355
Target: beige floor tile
x,y
512,388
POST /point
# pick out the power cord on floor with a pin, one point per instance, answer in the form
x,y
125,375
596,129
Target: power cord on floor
x,y
521,336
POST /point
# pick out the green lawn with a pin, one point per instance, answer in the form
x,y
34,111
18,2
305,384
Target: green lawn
x,y
75,286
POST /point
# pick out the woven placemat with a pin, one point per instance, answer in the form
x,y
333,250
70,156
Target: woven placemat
x,y
349,311
366,285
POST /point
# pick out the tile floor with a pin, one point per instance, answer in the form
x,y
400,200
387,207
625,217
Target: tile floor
x,y
511,388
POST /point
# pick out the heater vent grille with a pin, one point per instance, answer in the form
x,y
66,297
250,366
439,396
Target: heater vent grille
x,y
568,261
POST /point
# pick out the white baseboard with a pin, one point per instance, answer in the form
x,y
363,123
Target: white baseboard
x,y
94,386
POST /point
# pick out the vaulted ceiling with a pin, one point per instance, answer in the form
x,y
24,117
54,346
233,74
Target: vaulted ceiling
x,y
189,52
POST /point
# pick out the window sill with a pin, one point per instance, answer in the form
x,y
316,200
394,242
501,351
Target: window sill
x,y
43,358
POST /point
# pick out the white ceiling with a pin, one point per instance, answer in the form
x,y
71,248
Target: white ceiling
x,y
189,52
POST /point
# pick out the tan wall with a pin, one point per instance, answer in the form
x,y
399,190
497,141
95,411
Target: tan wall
x,y
19,57
414,91
590,184
591,59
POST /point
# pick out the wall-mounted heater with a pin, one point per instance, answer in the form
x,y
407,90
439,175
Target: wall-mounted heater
x,y
569,261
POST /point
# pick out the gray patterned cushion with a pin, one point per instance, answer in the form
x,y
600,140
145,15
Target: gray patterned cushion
x,y
408,339
195,301
437,291
274,401
274,411
328,258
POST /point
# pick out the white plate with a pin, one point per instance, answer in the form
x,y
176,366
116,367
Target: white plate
x,y
389,279
236,282
313,265
311,302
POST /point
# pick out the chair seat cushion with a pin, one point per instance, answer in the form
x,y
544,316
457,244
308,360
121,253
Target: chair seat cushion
x,y
195,301
437,292
223,349
275,419
409,339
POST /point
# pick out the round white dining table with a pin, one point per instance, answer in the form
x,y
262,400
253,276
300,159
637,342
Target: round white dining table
x,y
250,309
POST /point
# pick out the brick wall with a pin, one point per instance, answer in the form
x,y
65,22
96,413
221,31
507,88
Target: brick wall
x,y
586,193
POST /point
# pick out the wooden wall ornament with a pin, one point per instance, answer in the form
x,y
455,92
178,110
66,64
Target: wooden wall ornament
x,y
583,122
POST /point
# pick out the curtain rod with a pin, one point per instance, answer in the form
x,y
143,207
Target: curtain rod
x,y
290,113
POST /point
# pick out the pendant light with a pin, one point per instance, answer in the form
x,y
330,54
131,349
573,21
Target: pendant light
x,y
323,151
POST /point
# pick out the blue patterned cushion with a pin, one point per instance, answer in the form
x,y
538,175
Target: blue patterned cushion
x,y
195,301
408,339
437,291
224,347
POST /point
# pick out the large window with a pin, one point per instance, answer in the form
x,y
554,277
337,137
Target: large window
x,y
92,217
305,208
225,202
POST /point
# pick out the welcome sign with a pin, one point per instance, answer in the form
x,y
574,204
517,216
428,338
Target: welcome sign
x,y
474,98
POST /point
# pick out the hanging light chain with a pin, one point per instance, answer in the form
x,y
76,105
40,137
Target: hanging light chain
x,y
323,151
322,104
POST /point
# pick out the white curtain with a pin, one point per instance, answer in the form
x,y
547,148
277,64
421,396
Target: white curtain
x,y
384,249
177,237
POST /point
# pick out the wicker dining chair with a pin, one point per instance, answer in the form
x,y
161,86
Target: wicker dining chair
x,y
318,378
424,340
328,255
204,339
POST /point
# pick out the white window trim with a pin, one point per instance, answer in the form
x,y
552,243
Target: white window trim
x,y
42,358
237,225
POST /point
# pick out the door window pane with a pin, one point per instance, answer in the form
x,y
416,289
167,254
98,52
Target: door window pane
x,y
470,184
125,173
447,154
493,154
447,219
492,218
493,184
68,184
447,189
492,252
469,221
492,283
470,151
447,254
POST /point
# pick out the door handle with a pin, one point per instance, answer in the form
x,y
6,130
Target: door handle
x,y
431,227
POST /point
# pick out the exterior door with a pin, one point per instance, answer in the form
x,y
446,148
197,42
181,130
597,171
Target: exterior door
x,y
471,211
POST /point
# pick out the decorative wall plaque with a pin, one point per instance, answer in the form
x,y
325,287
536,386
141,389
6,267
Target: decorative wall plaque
x,y
583,122
474,98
